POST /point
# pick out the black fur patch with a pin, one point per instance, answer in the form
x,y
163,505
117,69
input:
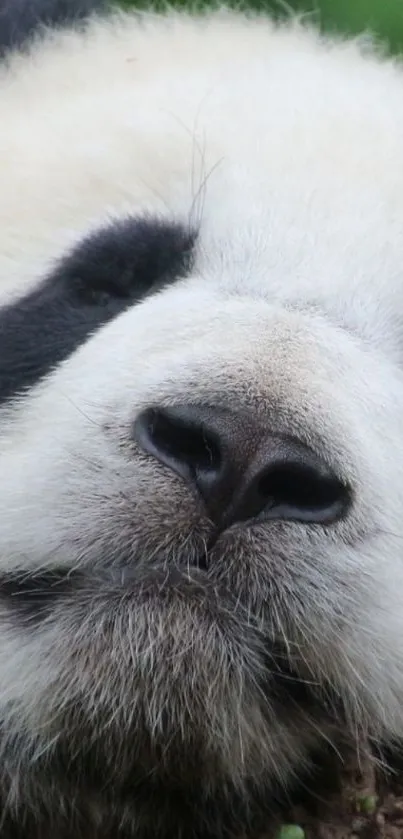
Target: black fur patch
x,y
105,274
21,19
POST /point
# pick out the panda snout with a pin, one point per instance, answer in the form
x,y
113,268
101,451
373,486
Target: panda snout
x,y
241,471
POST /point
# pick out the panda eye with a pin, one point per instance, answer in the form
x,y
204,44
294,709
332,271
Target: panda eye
x,y
90,296
126,260
112,269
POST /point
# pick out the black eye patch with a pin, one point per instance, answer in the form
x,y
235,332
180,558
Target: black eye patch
x,y
106,273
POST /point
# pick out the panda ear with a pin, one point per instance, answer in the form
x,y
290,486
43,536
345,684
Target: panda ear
x,y
21,19
107,272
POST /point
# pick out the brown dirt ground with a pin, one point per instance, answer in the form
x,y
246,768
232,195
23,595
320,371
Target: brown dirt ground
x,y
336,811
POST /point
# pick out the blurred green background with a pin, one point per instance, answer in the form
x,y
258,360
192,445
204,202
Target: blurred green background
x,y
384,18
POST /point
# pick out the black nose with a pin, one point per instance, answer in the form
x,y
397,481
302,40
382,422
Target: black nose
x,y
241,471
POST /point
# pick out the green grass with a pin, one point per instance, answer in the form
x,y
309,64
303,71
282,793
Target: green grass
x,y
382,17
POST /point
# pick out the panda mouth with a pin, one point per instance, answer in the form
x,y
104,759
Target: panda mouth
x,y
33,595
202,562
32,599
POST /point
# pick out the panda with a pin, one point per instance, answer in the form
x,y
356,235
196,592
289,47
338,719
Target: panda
x,y
201,414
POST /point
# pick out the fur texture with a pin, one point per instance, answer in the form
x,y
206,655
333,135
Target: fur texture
x,y
158,675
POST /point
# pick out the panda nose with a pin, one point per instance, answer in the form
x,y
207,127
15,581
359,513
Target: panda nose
x,y
238,469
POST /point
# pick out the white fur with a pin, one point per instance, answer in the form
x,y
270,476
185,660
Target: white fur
x,y
287,150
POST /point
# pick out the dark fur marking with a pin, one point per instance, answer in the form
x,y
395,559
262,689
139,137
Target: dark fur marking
x,y
20,20
104,275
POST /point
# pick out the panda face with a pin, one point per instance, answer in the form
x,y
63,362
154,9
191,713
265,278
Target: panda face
x,y
200,429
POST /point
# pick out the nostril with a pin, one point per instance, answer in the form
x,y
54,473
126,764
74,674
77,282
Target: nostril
x,y
180,441
239,470
303,492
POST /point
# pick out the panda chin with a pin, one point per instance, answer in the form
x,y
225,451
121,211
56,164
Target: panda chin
x,y
170,668
165,669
